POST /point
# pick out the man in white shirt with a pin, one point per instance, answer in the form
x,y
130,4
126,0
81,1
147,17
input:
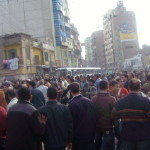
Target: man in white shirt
x,y
43,89
12,97
64,81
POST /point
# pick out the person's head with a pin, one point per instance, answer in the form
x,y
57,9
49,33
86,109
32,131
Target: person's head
x,y
31,84
121,82
134,85
114,87
5,87
59,83
24,94
103,85
148,77
96,76
91,82
41,82
68,78
52,93
63,78
84,79
75,88
11,94
124,77
131,76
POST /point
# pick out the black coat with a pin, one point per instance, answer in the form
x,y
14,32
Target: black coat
x,y
38,99
23,127
59,126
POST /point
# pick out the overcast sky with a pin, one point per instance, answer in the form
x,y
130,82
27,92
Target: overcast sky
x,y
87,15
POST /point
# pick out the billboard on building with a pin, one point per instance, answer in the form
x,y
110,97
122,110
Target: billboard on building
x,y
127,33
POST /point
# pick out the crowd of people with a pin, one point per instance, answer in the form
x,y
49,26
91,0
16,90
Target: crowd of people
x,y
97,112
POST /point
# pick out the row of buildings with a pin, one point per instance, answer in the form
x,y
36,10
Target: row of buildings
x,y
39,34
118,41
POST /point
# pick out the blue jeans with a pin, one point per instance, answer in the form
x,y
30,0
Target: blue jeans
x,y
117,130
141,145
104,139
2,144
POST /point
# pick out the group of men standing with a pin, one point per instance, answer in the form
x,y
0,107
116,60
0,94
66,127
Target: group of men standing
x,y
84,124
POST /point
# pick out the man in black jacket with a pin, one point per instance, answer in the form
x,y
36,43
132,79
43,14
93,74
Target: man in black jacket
x,y
84,121
59,125
24,124
38,99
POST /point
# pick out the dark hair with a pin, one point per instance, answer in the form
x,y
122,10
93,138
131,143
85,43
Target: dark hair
x,y
11,93
32,83
148,77
134,84
96,75
52,93
125,75
113,83
132,74
24,94
71,80
75,87
91,80
103,85
60,81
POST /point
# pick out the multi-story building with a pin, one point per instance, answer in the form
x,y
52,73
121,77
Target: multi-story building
x,y
22,56
120,36
98,49
88,52
46,20
94,48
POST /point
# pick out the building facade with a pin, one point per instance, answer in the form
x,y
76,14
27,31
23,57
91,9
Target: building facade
x,y
33,58
120,36
45,20
98,49
95,52
88,52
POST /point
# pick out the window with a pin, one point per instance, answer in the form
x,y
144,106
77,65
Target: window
x,y
28,53
12,53
36,60
46,56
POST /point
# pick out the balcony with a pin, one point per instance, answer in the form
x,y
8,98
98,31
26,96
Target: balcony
x,y
67,25
59,8
64,44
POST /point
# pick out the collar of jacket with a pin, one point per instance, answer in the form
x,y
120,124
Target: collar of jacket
x,y
25,102
52,102
76,97
103,93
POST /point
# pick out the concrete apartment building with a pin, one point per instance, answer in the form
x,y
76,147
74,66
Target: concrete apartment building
x,y
94,48
32,58
98,49
88,52
120,36
46,20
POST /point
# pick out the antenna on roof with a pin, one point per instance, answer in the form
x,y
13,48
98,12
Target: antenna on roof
x,y
120,3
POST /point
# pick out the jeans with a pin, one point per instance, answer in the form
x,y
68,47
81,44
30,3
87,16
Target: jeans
x,y
2,144
141,145
77,145
104,140
117,130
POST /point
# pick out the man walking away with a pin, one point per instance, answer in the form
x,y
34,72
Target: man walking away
x,y
37,96
83,120
59,125
134,111
103,104
12,97
24,124
43,89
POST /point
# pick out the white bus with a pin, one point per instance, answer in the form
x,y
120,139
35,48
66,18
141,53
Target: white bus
x,y
77,71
